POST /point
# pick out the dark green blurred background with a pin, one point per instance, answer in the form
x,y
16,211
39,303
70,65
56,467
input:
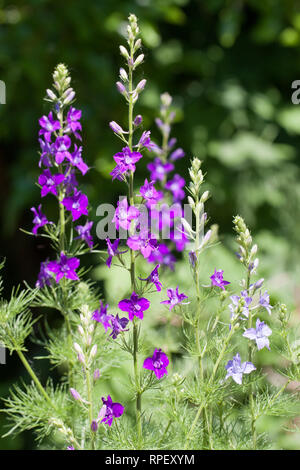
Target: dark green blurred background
x,y
229,66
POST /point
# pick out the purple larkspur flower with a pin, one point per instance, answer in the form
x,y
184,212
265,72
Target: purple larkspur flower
x,y
62,145
217,279
85,233
50,182
176,155
264,301
159,170
127,159
236,369
235,305
124,214
259,334
175,185
179,237
112,249
135,306
145,141
70,181
44,276
39,219
154,278
75,159
46,154
118,325
149,193
65,267
119,173
174,298
48,125
70,448
157,363
76,204
73,117
143,243
163,256
110,410
165,215
100,315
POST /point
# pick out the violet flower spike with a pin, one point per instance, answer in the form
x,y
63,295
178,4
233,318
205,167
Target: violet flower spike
x,y
157,363
236,369
174,298
135,306
259,334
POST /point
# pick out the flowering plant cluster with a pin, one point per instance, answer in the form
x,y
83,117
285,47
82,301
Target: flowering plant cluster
x,y
173,361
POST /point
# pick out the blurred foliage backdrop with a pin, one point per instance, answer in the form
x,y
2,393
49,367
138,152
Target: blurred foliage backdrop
x,y
229,64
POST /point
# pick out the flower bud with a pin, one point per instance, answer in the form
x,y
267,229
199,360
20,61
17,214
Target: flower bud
x,y
93,351
116,128
75,394
94,425
51,95
138,120
123,75
124,52
166,99
77,348
138,60
141,86
96,374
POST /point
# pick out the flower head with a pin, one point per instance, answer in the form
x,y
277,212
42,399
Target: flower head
x,y
259,334
124,214
264,301
118,325
175,185
62,145
44,276
174,298
149,193
50,182
101,316
85,233
110,410
236,369
65,267
146,244
159,169
127,159
154,278
112,249
73,117
77,204
75,159
163,256
48,125
39,219
158,363
135,306
217,279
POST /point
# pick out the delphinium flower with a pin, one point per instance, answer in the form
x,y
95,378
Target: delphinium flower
x,y
118,325
154,278
145,243
64,267
174,298
135,306
112,249
163,256
159,170
126,159
100,315
124,214
110,410
62,145
157,363
73,124
44,276
264,301
240,304
217,279
76,160
259,334
175,185
236,369
48,126
150,194
85,233
76,204
49,182
39,219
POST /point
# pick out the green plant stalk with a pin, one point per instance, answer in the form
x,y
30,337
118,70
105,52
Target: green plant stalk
x,y
90,406
200,409
132,270
250,356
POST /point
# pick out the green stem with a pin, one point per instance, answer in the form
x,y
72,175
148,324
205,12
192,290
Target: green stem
x,y
250,355
90,400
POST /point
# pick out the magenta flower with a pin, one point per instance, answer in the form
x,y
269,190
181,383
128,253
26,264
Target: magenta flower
x,y
70,182
112,249
39,219
85,233
163,256
259,334
77,204
73,117
174,298
159,169
75,159
124,214
145,244
145,141
135,306
62,145
118,325
119,172
149,193
110,410
101,316
217,279
179,237
127,159
154,278
175,185
50,182
236,369
44,276
47,152
157,363
48,125
65,267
